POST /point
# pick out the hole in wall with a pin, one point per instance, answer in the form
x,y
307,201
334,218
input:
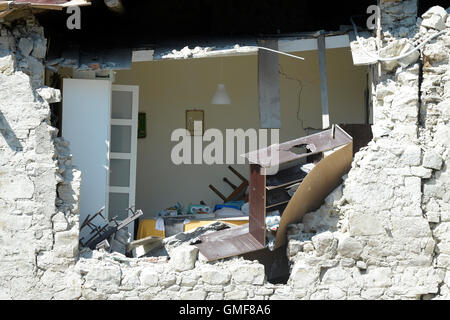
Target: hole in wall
x,y
301,149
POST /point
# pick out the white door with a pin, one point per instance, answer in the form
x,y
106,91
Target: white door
x,y
123,150
86,125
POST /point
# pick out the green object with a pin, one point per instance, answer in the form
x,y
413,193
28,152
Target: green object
x,y
142,125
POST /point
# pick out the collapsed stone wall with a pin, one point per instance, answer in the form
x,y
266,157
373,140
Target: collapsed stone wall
x,y
38,233
383,234
434,139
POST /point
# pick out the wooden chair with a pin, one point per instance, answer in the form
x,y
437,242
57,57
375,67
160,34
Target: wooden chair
x,y
238,191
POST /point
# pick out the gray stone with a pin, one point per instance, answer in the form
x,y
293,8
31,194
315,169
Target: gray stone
x,y
248,274
193,295
350,247
236,295
183,258
325,243
303,275
365,225
39,48
149,278
49,94
214,275
25,46
361,265
432,160
412,155
7,64
435,18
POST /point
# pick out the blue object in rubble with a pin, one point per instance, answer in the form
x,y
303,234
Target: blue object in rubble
x,y
231,204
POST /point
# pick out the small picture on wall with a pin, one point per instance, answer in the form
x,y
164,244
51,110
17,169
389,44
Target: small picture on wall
x,y
195,122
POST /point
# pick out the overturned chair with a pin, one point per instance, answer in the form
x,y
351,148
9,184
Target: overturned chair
x,y
267,192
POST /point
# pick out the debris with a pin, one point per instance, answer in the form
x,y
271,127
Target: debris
x,y
229,212
183,258
103,245
198,209
238,193
141,247
268,191
109,230
435,18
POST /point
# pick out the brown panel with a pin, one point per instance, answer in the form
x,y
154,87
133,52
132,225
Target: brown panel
x,y
228,243
257,211
319,182
316,143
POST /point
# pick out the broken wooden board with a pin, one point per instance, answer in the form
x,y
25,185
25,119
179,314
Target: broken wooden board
x,y
141,247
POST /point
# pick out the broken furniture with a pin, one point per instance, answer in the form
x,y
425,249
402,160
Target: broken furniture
x,y
147,227
107,231
267,193
238,191
139,248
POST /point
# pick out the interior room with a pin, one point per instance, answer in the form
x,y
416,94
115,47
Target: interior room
x,y
168,88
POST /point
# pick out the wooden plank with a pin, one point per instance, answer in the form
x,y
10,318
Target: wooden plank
x,y
142,246
269,86
257,211
323,80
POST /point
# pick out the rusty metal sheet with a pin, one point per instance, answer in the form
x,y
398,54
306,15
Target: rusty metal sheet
x,y
228,243
315,143
257,211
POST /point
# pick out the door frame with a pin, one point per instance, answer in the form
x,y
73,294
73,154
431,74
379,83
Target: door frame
x,y
132,156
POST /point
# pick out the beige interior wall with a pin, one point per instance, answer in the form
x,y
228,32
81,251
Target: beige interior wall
x,y
168,88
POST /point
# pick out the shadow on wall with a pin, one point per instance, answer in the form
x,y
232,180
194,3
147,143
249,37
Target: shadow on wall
x,y
9,135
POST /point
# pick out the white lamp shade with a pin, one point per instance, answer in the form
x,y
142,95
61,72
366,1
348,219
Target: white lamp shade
x,y
221,95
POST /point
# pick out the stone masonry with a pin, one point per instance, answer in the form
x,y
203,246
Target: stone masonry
x,y
383,234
